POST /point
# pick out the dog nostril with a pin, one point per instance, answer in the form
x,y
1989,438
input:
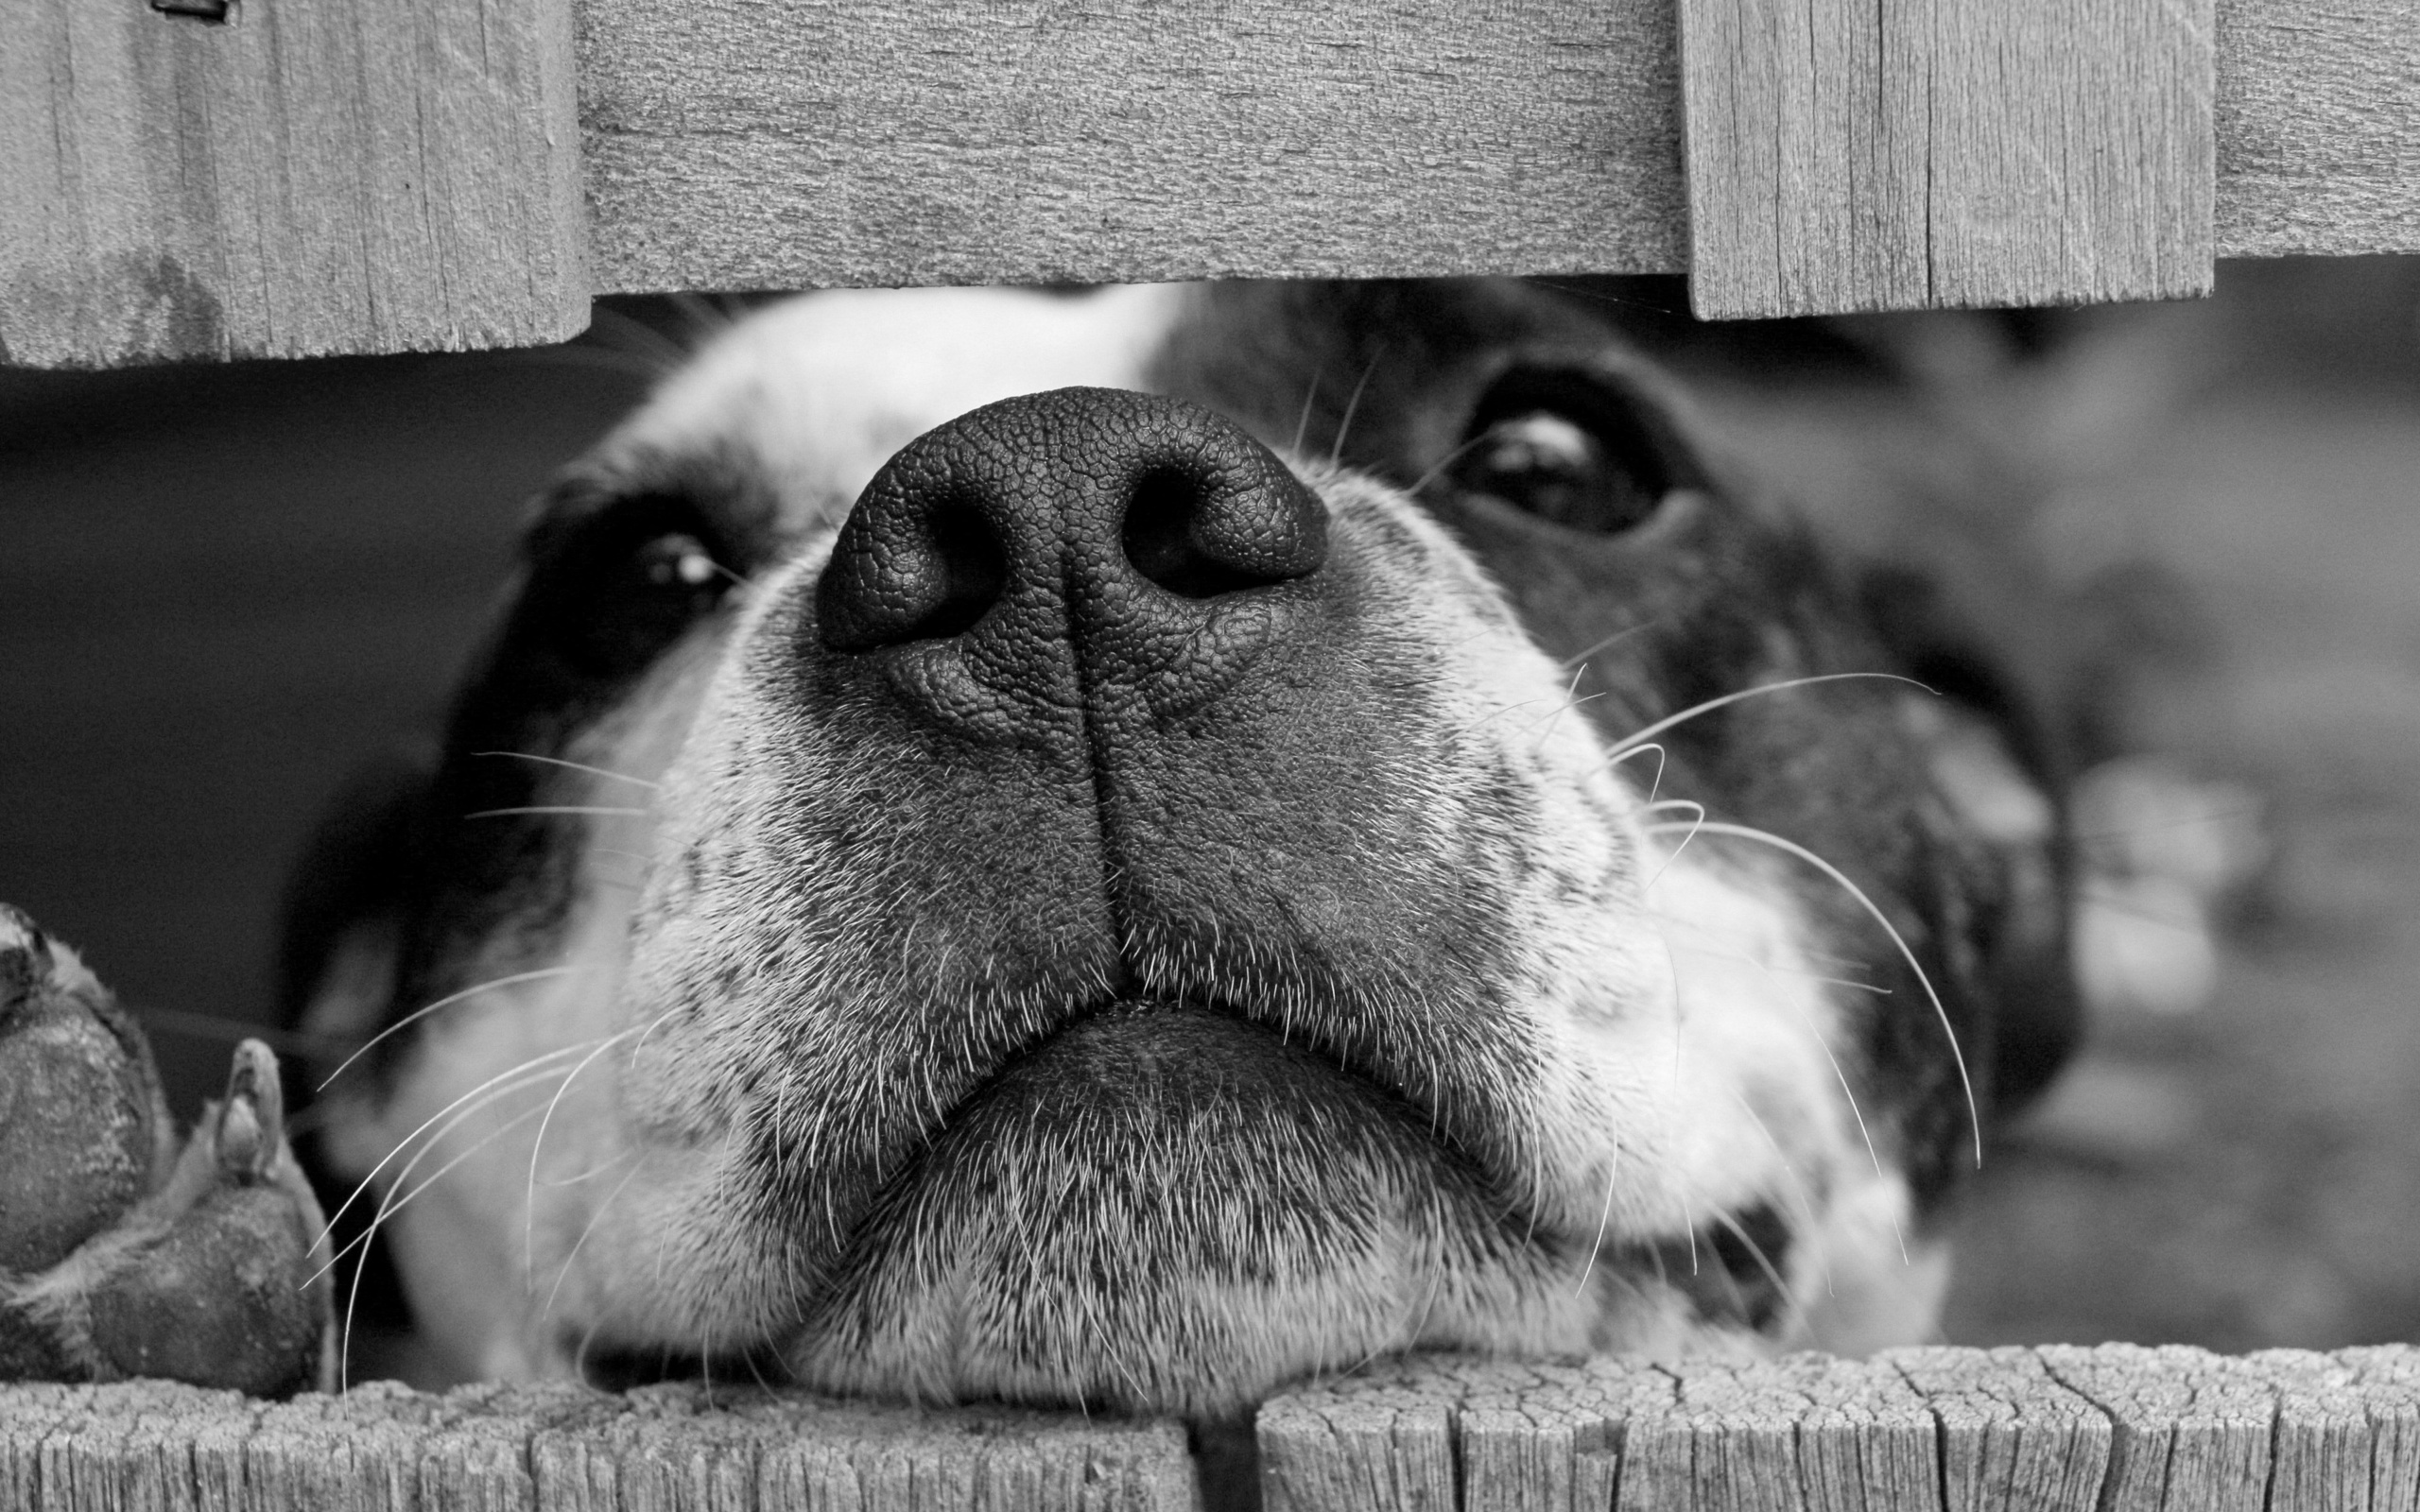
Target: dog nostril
x,y
1195,540
972,568
911,575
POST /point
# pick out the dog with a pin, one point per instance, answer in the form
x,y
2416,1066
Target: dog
x,y
1121,848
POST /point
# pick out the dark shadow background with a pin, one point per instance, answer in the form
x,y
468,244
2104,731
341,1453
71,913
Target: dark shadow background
x,y
222,587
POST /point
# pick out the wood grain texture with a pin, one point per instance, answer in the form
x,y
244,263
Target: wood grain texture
x,y
757,144
2318,127
1899,154
744,143
2114,1428
322,177
564,1449
313,176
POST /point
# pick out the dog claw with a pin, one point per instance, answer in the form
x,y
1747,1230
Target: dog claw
x,y
251,1121
120,1256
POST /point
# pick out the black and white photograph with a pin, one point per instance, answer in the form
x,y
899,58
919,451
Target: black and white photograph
x,y
1224,756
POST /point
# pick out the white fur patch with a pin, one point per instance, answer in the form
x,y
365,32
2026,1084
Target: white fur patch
x,y
820,391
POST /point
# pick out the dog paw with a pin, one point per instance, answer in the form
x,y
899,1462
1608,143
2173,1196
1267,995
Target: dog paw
x,y
121,1254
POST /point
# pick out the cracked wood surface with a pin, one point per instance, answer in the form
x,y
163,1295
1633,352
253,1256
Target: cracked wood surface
x,y
733,146
312,177
1907,154
152,1444
305,177
2113,1428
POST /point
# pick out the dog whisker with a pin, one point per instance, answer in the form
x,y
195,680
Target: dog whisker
x,y
528,1070
427,1146
1580,658
555,808
537,1148
1764,1262
447,1001
571,765
1839,1073
1797,1183
1627,752
586,1230
1302,421
1568,704
1352,406
1671,922
395,1201
1604,1221
1697,819
591,1174
1438,470
1692,712
1742,831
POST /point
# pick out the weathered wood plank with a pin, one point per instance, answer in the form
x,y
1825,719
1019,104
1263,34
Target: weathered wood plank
x,y
2114,1428
736,144
305,177
2319,137
316,176
2190,1430
2389,1382
739,144
1899,154
153,1444
2011,1434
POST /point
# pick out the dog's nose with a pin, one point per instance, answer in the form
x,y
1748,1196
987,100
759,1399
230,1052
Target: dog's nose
x,y
1126,520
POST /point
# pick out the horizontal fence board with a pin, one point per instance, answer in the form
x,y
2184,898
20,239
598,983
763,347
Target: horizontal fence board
x,y
2113,1428
741,144
318,177
305,177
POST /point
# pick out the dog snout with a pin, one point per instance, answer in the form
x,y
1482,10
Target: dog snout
x,y
1126,524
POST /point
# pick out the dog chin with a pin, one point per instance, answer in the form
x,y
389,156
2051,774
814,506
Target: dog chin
x,y
1166,1209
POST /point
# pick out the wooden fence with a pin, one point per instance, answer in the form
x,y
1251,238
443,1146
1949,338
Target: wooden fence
x,y
2114,1428
233,177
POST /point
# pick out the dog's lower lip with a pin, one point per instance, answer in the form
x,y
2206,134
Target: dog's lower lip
x,y
1147,1059
1129,1018
1159,1166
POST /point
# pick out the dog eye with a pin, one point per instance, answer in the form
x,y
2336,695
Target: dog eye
x,y
1568,448
677,563
626,597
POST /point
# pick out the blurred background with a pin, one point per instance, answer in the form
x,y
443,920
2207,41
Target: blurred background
x,y
2195,528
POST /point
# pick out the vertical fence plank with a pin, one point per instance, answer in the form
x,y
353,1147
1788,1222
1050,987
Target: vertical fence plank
x,y
298,177
1898,154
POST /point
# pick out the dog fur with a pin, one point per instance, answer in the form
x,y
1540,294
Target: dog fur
x,y
1386,957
